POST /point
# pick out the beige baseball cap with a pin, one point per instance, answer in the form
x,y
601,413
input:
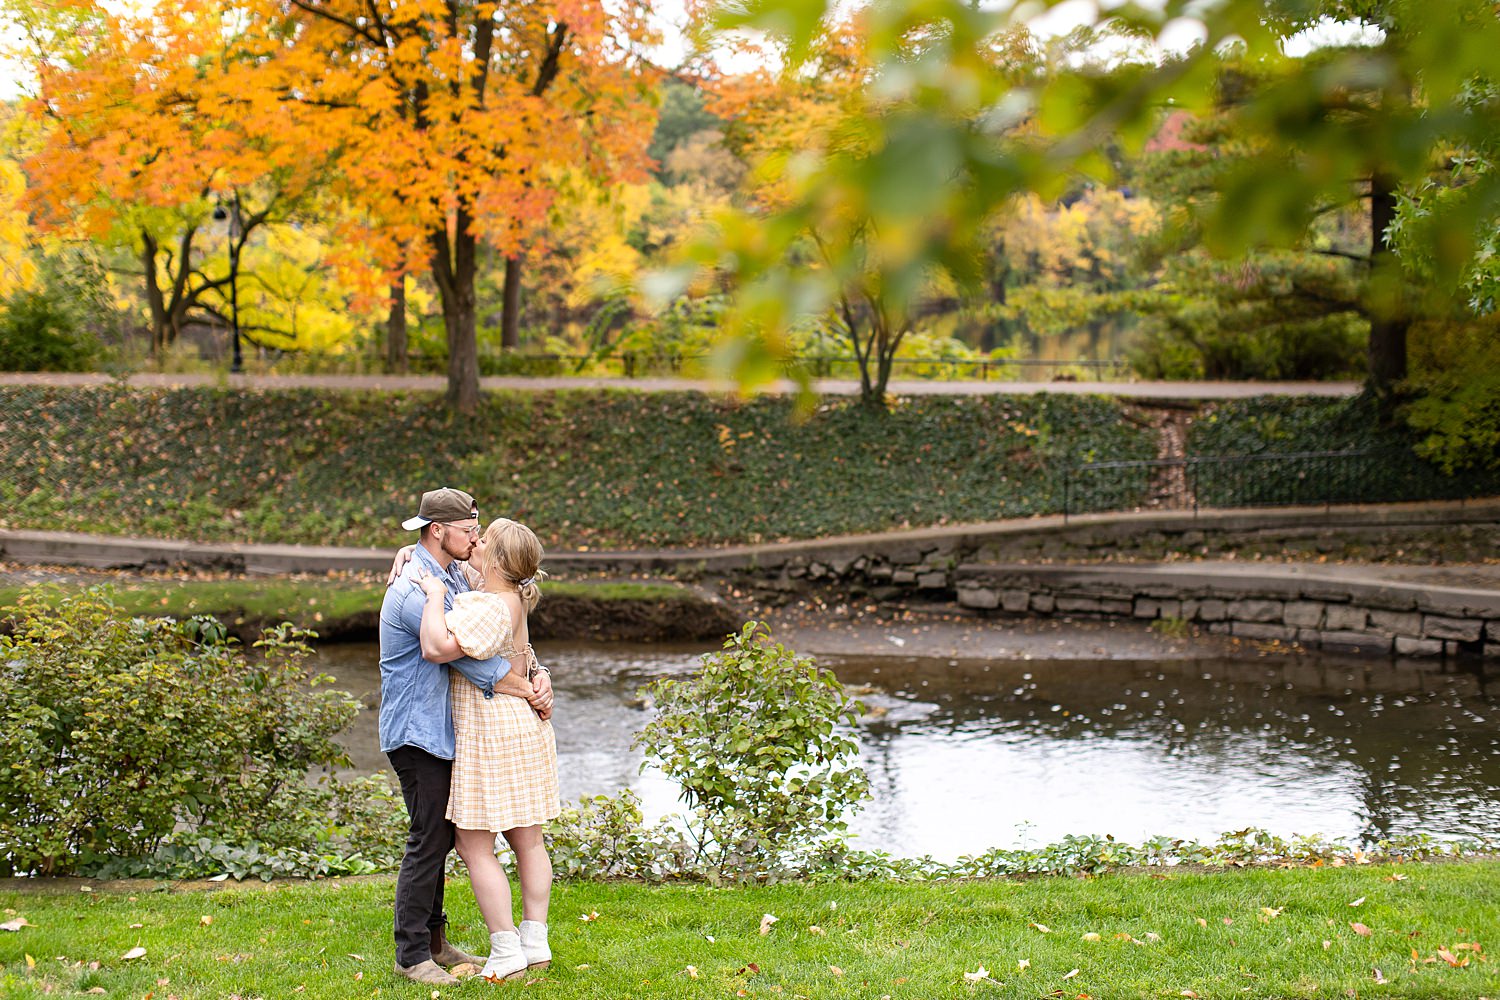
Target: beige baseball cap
x,y
443,506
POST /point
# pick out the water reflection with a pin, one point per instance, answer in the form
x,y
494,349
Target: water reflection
x,y
967,755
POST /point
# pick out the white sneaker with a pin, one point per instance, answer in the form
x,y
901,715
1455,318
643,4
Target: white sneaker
x,y
534,944
506,960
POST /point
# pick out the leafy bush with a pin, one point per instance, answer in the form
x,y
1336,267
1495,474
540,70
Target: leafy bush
x,y
1265,317
1455,386
605,836
124,736
38,334
754,740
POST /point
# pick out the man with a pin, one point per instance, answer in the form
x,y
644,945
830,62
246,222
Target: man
x,y
416,728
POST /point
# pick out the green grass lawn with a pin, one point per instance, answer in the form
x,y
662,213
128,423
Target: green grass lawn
x,y
1240,933
307,601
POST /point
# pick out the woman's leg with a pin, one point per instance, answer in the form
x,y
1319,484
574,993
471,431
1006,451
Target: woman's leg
x,y
534,868
491,887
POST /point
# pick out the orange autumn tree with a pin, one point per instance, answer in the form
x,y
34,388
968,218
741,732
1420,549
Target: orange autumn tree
x,y
453,120
144,137
838,251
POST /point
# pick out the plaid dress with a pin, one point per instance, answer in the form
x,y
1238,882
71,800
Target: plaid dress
x,y
505,760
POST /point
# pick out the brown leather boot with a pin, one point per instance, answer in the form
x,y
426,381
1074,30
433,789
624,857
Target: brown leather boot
x,y
428,972
445,953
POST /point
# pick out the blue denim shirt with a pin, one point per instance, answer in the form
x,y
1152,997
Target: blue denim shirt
x,y
415,705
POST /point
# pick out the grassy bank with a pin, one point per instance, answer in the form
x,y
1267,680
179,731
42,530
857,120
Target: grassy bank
x,y
1290,933
349,607
584,468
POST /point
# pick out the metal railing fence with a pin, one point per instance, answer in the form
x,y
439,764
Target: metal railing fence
x,y
630,364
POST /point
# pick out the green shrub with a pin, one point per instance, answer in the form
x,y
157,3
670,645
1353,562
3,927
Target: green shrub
x,y
605,836
754,739
119,734
1272,315
38,334
1455,385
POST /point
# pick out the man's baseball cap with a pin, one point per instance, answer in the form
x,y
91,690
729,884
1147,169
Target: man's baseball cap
x,y
443,506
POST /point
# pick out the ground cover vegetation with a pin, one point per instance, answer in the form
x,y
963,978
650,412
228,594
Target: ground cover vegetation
x,y
1417,931
337,605
585,469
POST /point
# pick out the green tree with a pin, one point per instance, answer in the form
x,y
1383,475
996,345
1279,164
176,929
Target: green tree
x,y
754,739
943,155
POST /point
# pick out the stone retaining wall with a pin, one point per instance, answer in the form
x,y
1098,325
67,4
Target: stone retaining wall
x,y
1277,603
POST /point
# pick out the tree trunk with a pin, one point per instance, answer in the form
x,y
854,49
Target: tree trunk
x,y
510,315
453,267
395,329
1388,317
155,301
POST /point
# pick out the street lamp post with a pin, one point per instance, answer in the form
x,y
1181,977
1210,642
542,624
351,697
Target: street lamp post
x,y
235,232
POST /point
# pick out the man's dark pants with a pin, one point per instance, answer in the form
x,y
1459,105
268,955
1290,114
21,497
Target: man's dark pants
x,y
419,886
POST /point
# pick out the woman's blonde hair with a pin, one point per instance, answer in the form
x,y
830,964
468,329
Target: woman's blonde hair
x,y
514,554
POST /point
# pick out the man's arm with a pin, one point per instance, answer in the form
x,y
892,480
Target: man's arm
x,y
492,674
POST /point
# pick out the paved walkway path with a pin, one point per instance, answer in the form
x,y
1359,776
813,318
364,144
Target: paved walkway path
x,y
829,387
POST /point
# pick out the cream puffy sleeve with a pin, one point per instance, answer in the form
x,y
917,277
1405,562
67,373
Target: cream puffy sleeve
x,y
481,624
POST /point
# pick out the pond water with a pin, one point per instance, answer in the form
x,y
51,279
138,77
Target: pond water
x,y
965,755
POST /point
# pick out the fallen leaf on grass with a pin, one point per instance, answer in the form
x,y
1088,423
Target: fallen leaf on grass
x,y
1070,975
692,971
1090,936
815,929
590,916
357,958
30,962
1380,979
1359,928
1270,913
1190,994
134,953
1398,877
979,975
1024,963
1202,922
766,921
1041,927
205,920
1327,944
1358,902
98,990
835,970
1452,959
16,924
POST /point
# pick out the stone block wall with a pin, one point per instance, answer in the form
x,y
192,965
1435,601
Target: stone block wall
x,y
1270,603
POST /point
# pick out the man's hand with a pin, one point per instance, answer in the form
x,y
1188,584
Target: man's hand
x,y
403,556
541,694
